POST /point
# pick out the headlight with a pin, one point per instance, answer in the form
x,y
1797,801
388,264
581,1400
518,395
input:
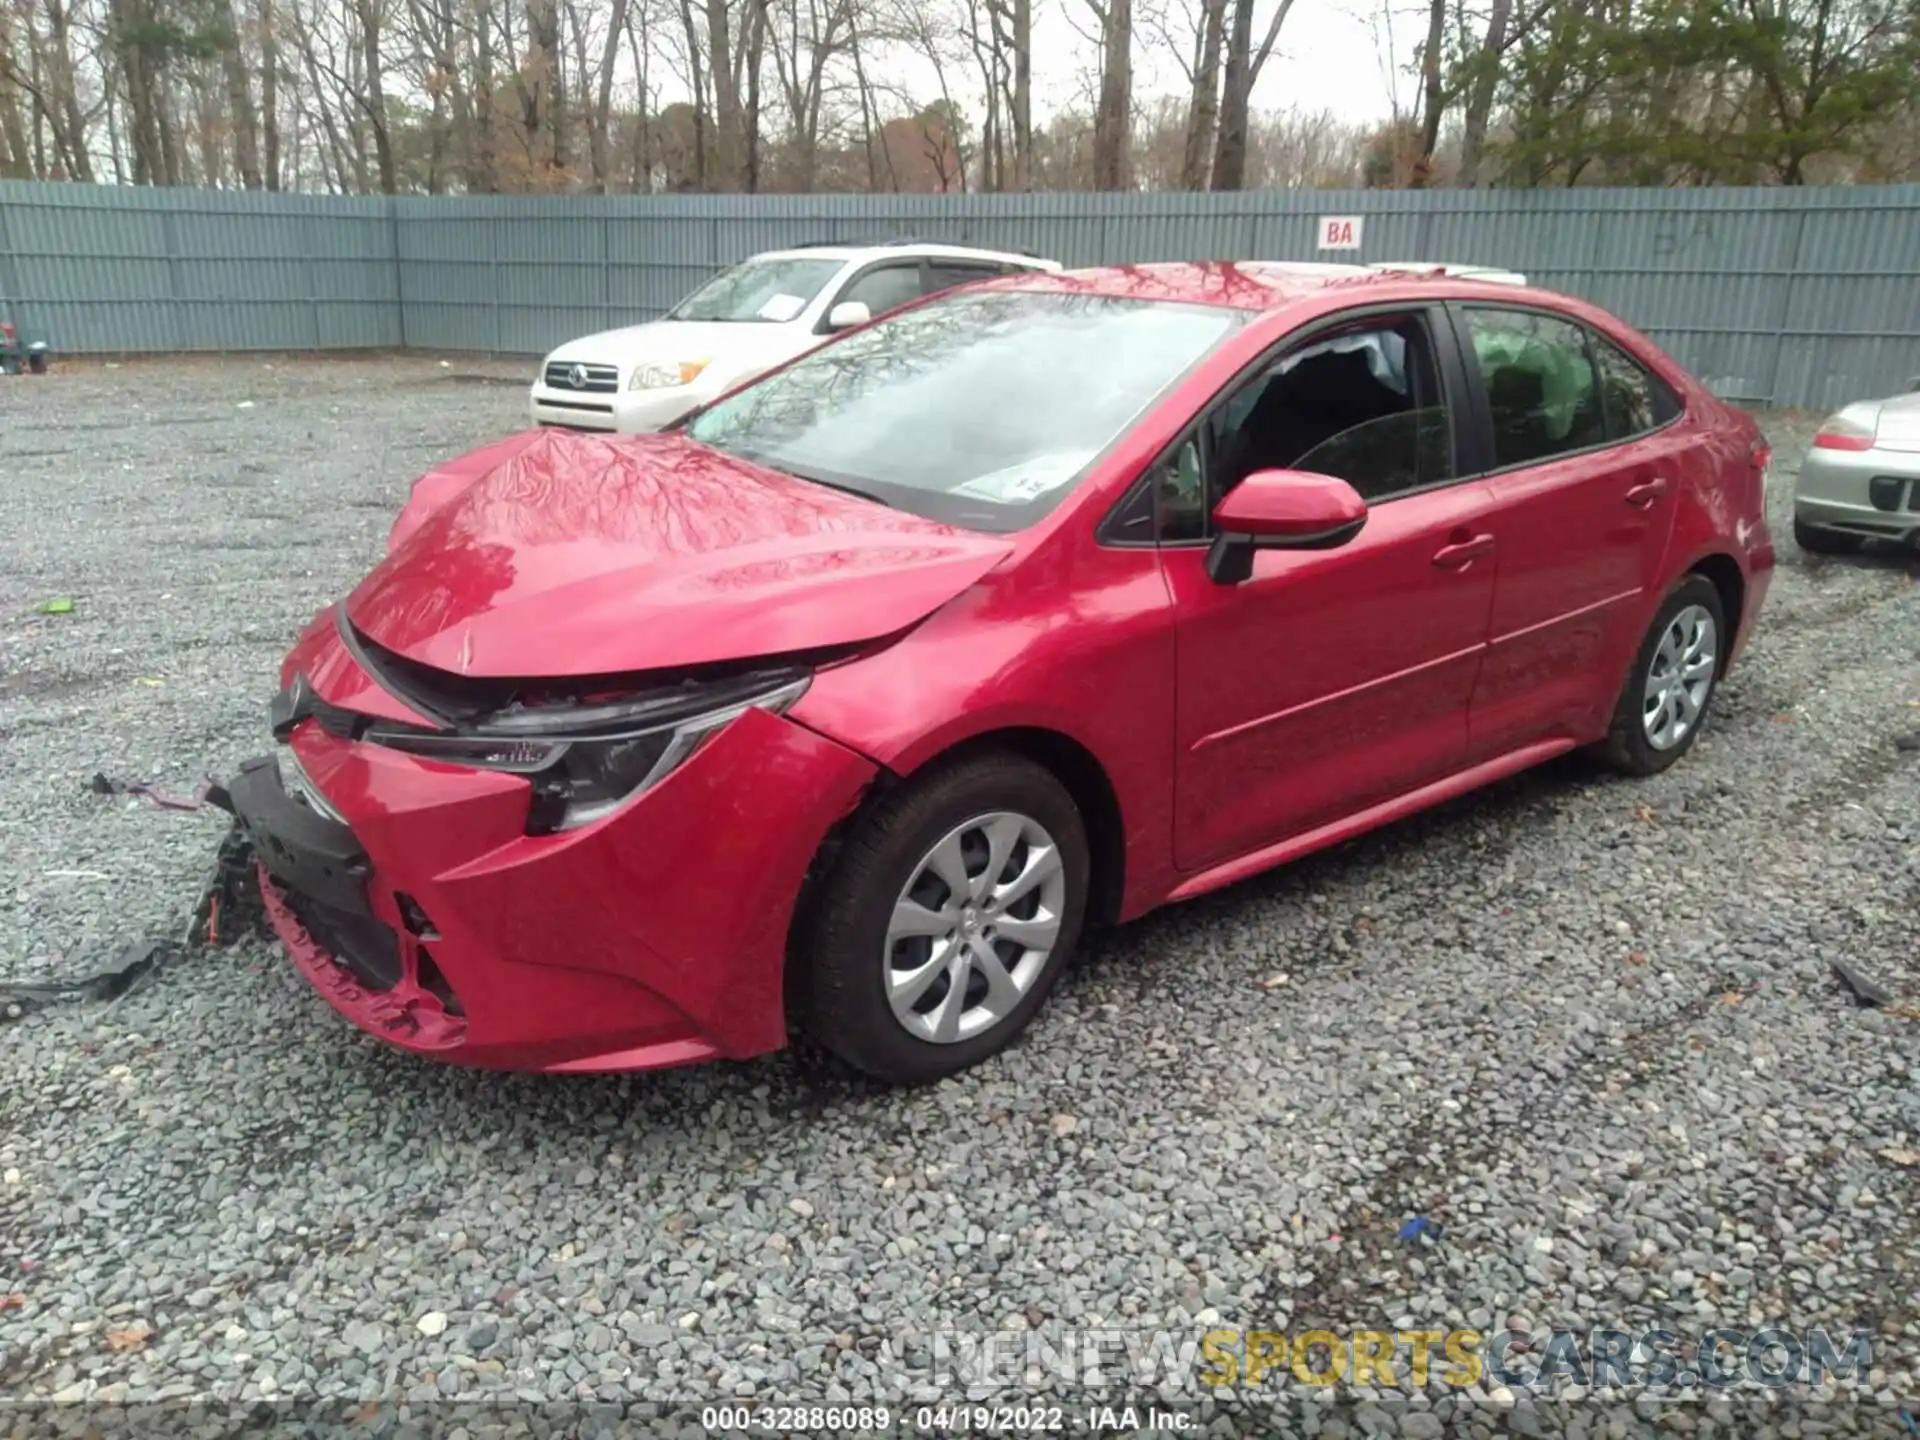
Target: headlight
x,y
663,376
586,760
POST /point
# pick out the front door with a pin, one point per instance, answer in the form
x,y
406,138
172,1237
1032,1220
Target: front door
x,y
1329,680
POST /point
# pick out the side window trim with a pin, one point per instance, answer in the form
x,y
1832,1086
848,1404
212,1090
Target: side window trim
x,y
1449,362
977,269
1483,409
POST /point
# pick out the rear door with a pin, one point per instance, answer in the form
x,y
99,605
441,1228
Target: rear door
x,y
1585,467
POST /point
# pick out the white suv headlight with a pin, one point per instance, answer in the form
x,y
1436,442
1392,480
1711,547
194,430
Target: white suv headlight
x,y
664,375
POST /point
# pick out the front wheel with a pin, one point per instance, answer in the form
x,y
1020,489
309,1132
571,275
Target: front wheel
x,y
950,913
1664,702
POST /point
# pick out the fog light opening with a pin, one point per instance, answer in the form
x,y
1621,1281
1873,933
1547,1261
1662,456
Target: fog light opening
x,y
434,981
415,917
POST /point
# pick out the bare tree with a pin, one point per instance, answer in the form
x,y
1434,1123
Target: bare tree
x,y
1113,110
1242,70
807,38
1481,84
1432,92
597,135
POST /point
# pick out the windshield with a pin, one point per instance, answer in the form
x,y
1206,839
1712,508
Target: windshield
x,y
977,409
768,291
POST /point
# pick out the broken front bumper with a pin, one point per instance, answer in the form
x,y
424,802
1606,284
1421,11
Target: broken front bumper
x,y
422,910
314,880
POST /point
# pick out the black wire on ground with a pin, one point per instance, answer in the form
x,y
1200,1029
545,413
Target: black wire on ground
x,y
226,909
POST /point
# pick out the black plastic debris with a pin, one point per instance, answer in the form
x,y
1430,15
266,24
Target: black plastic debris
x,y
132,963
1867,993
227,908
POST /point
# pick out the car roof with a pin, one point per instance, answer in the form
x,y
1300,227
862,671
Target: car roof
x,y
1274,285
909,249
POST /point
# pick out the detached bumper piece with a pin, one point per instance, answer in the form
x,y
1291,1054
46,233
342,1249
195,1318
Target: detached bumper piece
x,y
313,879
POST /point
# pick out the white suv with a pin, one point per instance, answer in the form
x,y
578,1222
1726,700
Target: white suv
x,y
744,321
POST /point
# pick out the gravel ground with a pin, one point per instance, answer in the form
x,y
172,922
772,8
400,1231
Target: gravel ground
x,y
1586,1023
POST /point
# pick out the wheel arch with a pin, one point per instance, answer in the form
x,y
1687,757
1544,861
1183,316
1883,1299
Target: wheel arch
x,y
1067,759
1086,780
1727,578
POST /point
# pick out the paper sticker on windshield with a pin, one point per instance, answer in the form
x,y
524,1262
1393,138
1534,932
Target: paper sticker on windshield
x,y
781,308
1029,480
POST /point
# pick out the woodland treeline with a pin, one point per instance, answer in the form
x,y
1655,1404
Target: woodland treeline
x,y
517,96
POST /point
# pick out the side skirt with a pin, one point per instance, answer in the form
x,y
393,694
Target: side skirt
x,y
1371,818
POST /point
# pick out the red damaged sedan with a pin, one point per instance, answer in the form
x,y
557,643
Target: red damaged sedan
x,y
847,705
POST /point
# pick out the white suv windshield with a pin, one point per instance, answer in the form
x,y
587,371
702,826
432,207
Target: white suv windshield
x,y
771,292
980,409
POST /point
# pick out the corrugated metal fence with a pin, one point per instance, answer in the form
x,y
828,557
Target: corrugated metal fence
x,y
1794,297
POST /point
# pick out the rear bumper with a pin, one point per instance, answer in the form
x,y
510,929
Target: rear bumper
x,y
1866,492
428,917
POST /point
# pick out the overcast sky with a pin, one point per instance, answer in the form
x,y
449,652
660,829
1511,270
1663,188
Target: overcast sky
x,y
1329,57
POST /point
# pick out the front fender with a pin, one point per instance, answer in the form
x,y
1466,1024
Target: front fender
x,y
1095,666
445,481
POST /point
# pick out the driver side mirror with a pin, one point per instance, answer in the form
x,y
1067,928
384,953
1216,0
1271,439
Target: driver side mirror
x,y
847,314
1280,510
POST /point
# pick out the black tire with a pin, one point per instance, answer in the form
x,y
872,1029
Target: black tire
x,y
1817,540
1627,747
839,972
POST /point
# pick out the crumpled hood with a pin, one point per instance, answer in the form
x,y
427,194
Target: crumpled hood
x,y
579,554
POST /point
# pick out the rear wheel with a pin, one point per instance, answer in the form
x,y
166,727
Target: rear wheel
x,y
950,913
1664,702
1818,540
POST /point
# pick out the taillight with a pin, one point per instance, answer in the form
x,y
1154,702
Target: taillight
x,y
1846,431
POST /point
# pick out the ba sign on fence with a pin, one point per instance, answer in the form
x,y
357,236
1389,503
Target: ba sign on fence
x,y
1340,232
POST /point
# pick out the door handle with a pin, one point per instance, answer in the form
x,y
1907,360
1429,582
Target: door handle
x,y
1463,553
1644,495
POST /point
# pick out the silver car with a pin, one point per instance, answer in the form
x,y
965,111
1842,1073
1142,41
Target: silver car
x,y
1861,479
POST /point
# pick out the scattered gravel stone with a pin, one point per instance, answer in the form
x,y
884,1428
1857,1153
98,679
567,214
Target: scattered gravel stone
x,y
1528,1033
434,1322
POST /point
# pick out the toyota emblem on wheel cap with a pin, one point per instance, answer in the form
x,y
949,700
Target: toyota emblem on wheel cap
x,y
577,377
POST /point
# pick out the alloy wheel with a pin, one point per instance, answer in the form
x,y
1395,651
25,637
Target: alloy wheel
x,y
1679,677
974,926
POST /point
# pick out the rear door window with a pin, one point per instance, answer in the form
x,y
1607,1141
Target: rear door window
x,y
1542,388
1634,399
